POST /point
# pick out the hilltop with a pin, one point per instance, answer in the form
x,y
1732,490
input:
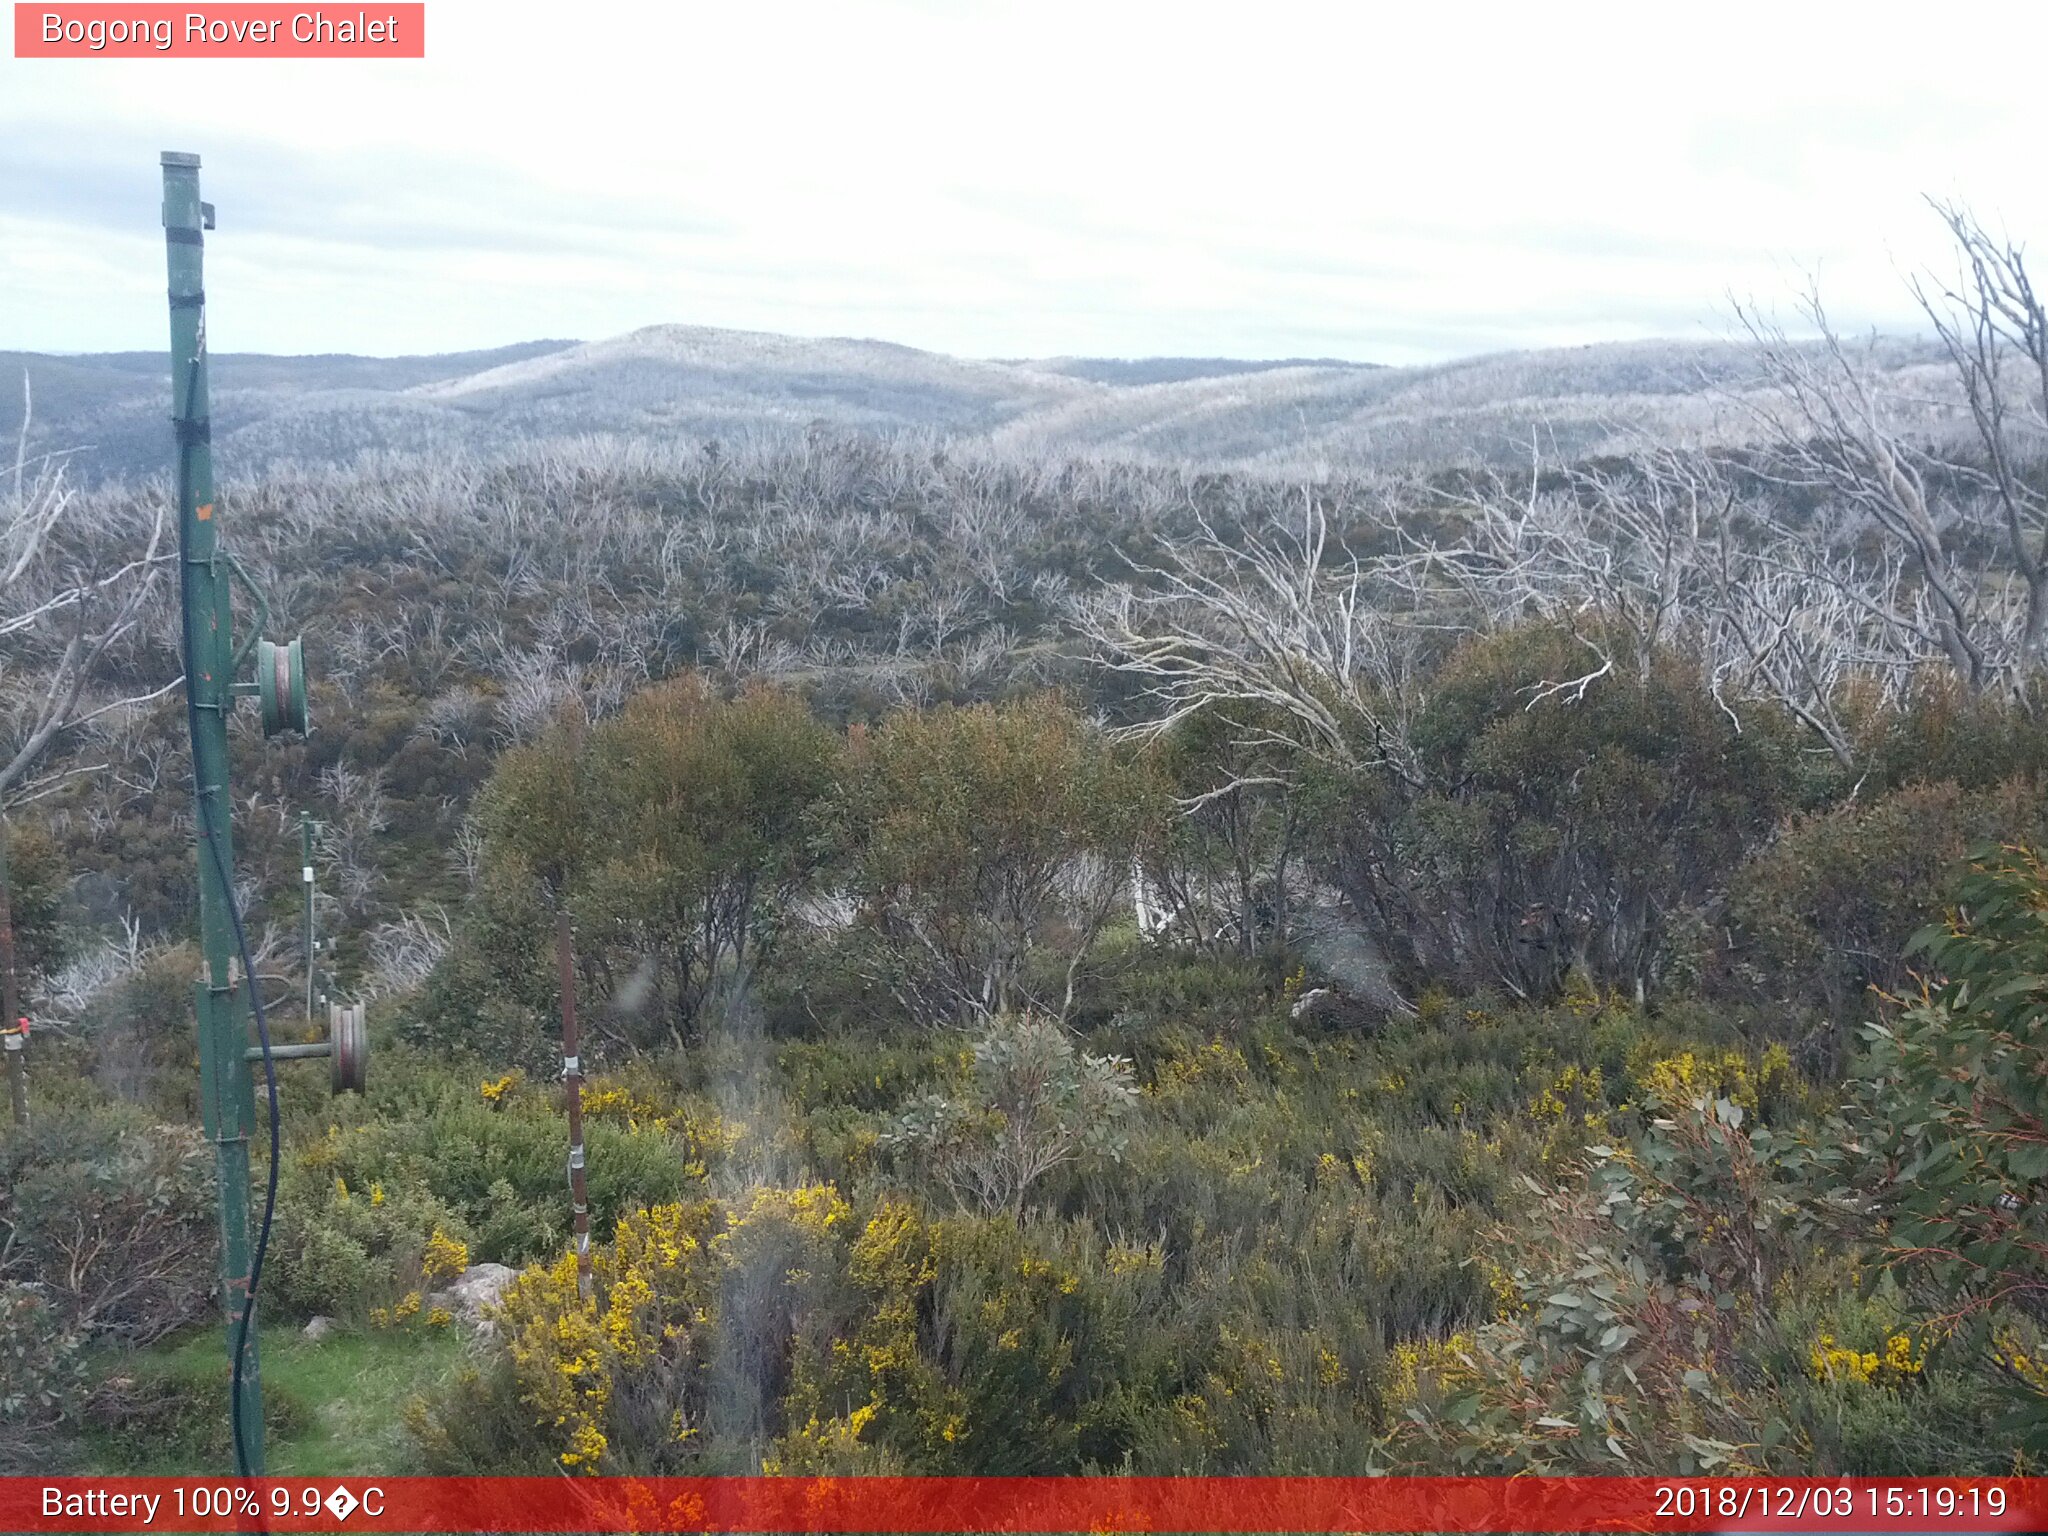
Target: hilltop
x,y
699,382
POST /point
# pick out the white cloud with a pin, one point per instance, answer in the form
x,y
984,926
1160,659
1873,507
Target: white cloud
x,y
1364,180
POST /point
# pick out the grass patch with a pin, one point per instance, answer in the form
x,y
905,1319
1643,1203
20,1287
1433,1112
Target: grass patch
x,y
331,1409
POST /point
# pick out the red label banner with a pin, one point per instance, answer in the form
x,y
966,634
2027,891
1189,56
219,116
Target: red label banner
x,y
225,31
1040,1504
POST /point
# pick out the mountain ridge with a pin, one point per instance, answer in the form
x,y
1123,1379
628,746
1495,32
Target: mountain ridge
x,y
1291,414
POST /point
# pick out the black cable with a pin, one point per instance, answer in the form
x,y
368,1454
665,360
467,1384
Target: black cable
x,y
270,1180
186,439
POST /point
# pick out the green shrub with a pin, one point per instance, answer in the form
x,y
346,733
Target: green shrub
x,y
1869,1389
43,1378
1828,907
1034,1104
1947,1129
444,1148
1547,830
166,1410
988,847
680,834
493,996
113,1215
135,1040
34,864
1632,1303
342,1250
1944,732
1232,836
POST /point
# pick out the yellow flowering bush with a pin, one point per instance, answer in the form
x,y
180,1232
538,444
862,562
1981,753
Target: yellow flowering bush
x,y
1900,1361
601,1101
832,1446
397,1315
1762,1083
1217,1062
972,1344
616,1381
1416,1364
445,1258
2027,1363
1573,1093
1571,1110
1581,994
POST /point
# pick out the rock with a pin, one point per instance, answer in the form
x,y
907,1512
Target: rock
x,y
479,1287
1334,1008
1316,1000
319,1328
1339,947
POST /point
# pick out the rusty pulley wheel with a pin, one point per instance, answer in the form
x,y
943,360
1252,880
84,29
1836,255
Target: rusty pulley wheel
x,y
281,686
348,1055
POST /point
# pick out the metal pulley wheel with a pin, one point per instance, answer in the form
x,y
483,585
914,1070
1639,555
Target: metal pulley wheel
x,y
281,686
348,1047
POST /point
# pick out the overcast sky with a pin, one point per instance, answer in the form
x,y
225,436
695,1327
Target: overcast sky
x,y
1392,183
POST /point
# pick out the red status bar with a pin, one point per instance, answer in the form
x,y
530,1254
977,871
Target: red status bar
x,y
1038,1504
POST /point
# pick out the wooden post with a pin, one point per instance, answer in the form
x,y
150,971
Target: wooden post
x,y
13,1027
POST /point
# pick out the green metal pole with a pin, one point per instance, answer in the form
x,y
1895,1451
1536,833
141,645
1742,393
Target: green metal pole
x,y
227,1093
306,879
